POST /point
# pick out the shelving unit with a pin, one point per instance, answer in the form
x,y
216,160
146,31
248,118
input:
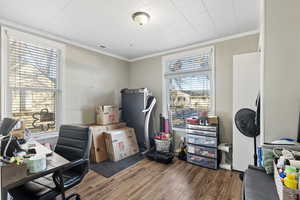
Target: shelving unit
x,y
202,145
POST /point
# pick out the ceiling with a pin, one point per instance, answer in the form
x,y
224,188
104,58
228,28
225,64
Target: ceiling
x,y
173,24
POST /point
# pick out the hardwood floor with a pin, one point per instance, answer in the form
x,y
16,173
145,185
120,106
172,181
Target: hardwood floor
x,y
148,180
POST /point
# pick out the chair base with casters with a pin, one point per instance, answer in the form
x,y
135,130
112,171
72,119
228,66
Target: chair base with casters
x,y
34,191
48,188
77,196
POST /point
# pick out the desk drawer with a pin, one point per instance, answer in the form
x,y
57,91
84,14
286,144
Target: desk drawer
x,y
202,140
202,151
202,161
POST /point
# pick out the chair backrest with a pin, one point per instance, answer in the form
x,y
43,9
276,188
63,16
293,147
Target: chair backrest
x,y
74,142
7,125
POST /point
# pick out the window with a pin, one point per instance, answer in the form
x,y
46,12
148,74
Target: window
x,y
31,71
189,85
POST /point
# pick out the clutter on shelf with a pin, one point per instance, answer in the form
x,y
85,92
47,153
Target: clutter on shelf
x,y
286,166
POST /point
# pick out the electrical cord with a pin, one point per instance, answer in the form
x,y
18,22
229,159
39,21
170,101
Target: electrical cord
x,y
7,145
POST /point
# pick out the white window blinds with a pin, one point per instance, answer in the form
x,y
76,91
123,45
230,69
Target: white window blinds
x,y
190,86
190,63
32,84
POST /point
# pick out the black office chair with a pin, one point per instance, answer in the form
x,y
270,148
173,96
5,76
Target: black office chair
x,y
7,125
73,144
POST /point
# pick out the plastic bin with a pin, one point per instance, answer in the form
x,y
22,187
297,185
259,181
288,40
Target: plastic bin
x,y
202,151
203,133
203,128
202,140
202,161
163,145
284,192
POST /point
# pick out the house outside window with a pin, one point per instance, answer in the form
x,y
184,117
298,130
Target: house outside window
x,y
188,85
31,80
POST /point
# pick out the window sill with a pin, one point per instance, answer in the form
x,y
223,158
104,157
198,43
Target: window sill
x,y
45,135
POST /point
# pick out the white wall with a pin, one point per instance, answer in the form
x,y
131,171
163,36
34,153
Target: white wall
x,y
148,73
281,69
91,79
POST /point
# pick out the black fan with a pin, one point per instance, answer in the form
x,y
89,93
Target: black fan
x,y
247,123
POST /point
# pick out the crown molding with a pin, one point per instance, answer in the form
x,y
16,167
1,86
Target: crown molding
x,y
201,44
47,35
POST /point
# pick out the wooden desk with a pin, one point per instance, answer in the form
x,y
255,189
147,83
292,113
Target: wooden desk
x,y
55,163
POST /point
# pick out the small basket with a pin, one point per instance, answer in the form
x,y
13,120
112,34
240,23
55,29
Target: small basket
x,y
163,145
284,192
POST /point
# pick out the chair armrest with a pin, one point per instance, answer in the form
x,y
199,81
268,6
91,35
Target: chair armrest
x,y
76,163
58,175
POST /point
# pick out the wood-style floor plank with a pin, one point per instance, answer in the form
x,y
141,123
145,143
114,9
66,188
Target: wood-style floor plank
x,y
149,180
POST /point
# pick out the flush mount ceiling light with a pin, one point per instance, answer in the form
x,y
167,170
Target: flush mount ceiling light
x,y
101,46
141,18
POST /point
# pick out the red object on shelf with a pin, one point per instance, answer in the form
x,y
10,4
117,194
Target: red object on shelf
x,y
162,136
158,137
192,120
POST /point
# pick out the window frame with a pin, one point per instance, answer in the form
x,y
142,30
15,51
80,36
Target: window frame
x,y
166,76
40,41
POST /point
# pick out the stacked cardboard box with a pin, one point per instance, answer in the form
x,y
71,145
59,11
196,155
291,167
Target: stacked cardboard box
x,y
121,143
107,114
98,149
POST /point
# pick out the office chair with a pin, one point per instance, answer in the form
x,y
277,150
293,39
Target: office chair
x,y
73,144
7,125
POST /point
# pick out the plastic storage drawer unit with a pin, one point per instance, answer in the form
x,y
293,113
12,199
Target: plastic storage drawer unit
x,y
202,161
202,140
203,128
203,133
202,151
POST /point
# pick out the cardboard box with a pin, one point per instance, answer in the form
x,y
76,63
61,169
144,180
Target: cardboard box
x,y
121,143
213,120
107,114
98,149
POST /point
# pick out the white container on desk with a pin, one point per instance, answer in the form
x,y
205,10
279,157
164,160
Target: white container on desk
x,y
36,163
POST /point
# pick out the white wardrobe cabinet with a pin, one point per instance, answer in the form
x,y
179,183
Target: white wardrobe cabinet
x,y
246,84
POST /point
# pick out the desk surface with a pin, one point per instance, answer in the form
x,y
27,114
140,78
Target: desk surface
x,y
13,175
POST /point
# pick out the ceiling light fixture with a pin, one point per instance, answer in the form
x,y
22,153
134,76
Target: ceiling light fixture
x,y
141,18
101,46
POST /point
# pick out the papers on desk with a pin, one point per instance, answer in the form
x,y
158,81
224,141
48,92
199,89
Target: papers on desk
x,y
36,162
40,149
